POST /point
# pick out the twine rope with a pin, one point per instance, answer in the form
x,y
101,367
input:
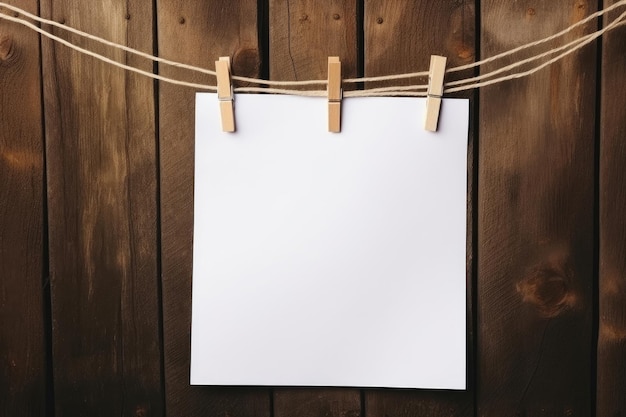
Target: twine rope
x,y
410,90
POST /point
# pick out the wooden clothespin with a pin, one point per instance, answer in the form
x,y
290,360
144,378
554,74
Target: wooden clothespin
x,y
225,94
334,94
435,91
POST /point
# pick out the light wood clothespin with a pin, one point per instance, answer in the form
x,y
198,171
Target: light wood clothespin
x,y
435,91
225,93
334,94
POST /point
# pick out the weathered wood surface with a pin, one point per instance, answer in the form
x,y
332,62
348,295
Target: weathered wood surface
x,y
611,386
536,218
23,284
102,201
114,164
302,35
308,402
400,37
210,29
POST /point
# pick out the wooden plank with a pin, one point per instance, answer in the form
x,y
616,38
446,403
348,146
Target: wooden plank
x,y
611,383
400,37
535,229
303,35
22,255
308,402
210,29
101,171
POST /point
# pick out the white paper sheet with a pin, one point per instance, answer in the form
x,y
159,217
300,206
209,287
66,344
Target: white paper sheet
x,y
326,259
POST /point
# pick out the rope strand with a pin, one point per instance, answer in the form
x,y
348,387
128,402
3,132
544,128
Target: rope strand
x,y
409,91
582,41
103,58
149,56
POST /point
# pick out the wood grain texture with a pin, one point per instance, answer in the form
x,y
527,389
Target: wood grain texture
x,y
400,37
101,170
307,402
210,29
611,375
535,230
22,258
535,224
409,403
303,35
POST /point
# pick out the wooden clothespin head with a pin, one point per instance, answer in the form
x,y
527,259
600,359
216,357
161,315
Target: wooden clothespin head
x,y
335,94
435,91
225,94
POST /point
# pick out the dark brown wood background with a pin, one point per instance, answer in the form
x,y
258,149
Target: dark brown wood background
x,y
96,181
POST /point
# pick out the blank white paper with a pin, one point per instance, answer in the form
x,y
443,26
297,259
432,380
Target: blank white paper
x,y
324,259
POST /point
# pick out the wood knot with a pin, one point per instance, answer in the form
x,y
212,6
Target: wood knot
x,y
141,411
6,47
579,12
549,290
246,62
465,53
